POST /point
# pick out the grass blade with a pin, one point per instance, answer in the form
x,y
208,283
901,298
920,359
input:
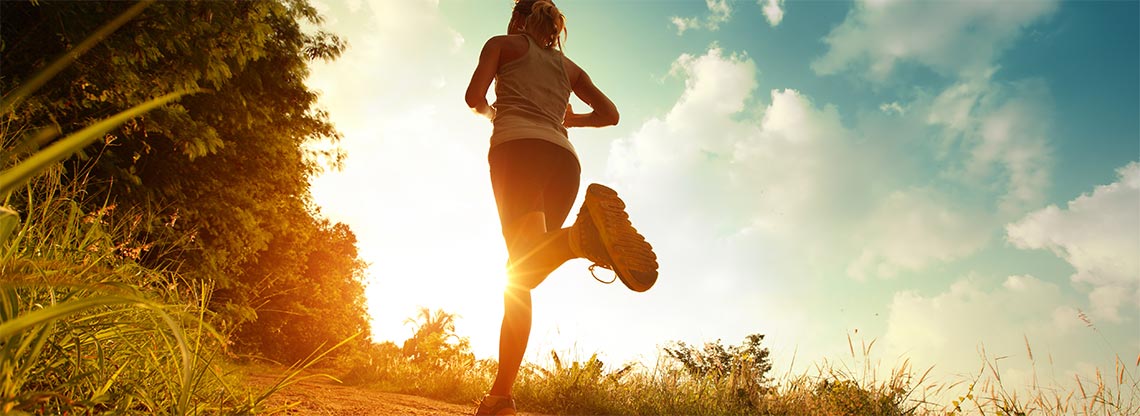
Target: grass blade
x,y
9,219
14,98
17,175
58,311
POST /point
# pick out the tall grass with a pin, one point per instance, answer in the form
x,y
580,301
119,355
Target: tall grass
x,y
855,385
1095,394
86,328
575,386
586,386
458,378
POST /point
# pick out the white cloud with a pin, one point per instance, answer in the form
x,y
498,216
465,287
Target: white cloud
x,y
1099,235
995,157
914,228
928,325
685,23
892,107
951,37
1004,128
795,180
773,11
809,177
994,161
709,152
719,12
1009,320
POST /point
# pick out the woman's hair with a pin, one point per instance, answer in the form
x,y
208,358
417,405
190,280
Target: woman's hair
x,y
543,19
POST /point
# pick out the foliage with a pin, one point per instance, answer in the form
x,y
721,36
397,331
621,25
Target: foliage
x,y
309,291
743,367
434,344
717,361
433,362
575,388
836,395
86,325
84,328
222,177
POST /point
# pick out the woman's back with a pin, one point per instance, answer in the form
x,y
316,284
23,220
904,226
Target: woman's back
x,y
531,92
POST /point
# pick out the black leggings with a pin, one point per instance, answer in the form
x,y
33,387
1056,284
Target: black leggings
x,y
533,175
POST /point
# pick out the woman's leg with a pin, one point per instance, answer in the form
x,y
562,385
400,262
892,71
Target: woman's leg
x,y
515,331
536,252
517,172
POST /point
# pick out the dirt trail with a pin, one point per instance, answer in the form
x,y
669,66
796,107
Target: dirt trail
x,y
321,396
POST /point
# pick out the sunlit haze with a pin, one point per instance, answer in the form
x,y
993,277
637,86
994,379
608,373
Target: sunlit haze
x,y
941,177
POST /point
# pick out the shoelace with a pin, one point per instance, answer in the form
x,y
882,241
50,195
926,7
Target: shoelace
x,y
592,266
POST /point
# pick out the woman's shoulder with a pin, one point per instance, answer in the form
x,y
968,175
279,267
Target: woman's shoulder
x,y
509,47
508,40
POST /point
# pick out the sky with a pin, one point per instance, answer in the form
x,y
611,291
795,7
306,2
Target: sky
x,y
951,180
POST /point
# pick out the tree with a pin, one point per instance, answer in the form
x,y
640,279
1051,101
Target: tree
x,y
434,343
227,169
309,294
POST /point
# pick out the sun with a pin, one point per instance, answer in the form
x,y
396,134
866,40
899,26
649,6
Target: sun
x,y
410,268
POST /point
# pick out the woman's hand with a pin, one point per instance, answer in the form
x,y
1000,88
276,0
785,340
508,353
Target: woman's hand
x,y
485,110
566,118
604,112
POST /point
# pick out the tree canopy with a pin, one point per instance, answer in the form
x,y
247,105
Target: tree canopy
x,y
222,175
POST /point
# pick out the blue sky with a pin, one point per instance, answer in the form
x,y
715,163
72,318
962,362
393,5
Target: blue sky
x,y
940,177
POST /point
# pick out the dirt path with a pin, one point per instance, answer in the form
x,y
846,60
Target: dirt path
x,y
320,396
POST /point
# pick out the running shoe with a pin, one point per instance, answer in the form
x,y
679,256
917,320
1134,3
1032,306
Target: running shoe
x,y
496,406
608,239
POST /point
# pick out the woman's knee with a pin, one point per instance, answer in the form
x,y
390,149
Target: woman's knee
x,y
519,280
519,289
523,232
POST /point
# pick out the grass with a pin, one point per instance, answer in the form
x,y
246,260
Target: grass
x,y
854,386
86,328
986,393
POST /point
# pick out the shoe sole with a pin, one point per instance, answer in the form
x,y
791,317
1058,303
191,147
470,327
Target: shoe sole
x,y
607,211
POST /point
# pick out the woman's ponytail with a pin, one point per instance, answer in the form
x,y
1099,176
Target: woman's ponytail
x,y
544,20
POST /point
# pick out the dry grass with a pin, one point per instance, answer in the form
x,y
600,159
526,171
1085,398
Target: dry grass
x,y
853,386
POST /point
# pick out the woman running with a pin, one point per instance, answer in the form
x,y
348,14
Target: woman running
x,y
535,176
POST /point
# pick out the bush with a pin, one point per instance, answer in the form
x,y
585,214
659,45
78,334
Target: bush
x,y
86,329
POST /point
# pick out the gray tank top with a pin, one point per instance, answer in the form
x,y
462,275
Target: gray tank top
x,y
531,93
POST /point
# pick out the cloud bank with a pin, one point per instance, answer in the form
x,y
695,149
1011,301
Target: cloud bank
x,y
950,37
1099,235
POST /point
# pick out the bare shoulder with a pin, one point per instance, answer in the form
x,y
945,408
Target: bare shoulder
x,y
511,47
495,41
573,71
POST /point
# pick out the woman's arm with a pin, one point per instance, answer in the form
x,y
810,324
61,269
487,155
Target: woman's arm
x,y
481,80
604,113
